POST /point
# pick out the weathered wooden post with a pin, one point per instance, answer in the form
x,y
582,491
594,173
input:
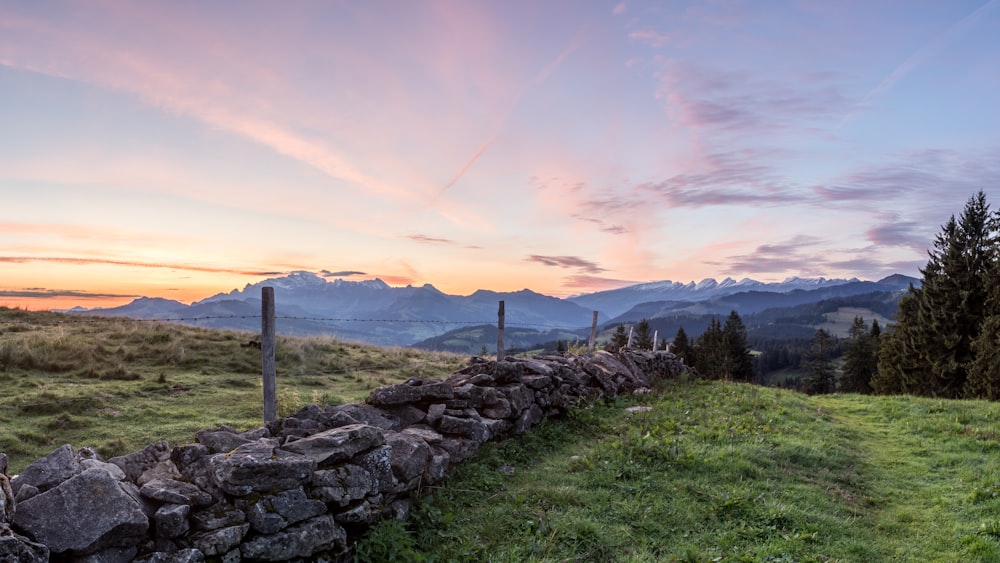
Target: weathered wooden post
x,y
500,333
656,339
593,333
630,329
267,354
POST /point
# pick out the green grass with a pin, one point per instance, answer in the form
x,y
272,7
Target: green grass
x,y
119,384
724,472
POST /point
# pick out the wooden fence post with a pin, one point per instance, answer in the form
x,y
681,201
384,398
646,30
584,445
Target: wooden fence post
x,y
656,339
500,351
630,329
593,333
267,338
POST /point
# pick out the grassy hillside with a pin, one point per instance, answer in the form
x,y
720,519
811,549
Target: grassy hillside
x,y
724,472
118,384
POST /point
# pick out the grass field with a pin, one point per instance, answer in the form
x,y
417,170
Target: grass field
x,y
118,384
713,471
724,472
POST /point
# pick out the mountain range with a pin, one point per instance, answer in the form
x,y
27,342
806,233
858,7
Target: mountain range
x,y
375,312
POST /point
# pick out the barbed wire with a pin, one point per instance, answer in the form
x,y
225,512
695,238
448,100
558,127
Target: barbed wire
x,y
72,319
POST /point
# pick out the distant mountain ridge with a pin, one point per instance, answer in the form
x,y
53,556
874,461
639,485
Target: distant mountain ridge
x,y
375,312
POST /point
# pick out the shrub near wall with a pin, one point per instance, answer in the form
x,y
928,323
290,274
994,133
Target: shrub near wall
x,y
301,487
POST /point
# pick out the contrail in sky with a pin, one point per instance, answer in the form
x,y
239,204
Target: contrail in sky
x,y
922,54
539,79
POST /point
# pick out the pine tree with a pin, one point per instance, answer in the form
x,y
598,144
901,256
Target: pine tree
x,y
709,351
738,362
682,348
898,360
643,338
860,358
619,339
930,351
822,376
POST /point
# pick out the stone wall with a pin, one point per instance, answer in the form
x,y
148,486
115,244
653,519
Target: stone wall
x,y
301,487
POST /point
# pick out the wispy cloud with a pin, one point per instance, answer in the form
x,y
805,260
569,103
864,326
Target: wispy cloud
x,y
926,52
567,262
132,263
429,239
341,274
796,255
594,283
42,293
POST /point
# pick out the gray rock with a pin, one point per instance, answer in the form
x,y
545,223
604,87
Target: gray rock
x,y
337,445
470,428
415,390
302,540
48,471
365,513
172,520
189,555
260,467
222,440
435,412
220,515
19,549
437,466
407,414
220,541
425,433
378,463
528,419
136,463
507,372
273,513
85,514
3,464
476,395
161,470
6,501
537,382
187,455
342,485
24,492
366,414
458,449
176,492
534,366
410,456
519,395
500,410
111,468
497,428
109,555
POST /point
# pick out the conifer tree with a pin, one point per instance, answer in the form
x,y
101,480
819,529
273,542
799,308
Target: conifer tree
x,y
860,358
738,363
682,347
930,351
643,337
899,360
709,351
619,339
822,375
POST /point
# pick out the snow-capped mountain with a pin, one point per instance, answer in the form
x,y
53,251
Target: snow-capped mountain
x,y
373,311
614,302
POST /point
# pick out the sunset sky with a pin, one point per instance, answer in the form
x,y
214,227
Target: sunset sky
x,y
180,149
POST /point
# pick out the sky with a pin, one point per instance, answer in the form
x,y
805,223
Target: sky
x,y
180,149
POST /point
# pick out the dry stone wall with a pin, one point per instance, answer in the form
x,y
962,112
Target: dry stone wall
x,y
297,489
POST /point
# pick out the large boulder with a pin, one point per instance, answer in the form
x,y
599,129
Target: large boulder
x,y
302,540
176,492
415,390
18,549
260,467
48,471
410,456
337,445
85,514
